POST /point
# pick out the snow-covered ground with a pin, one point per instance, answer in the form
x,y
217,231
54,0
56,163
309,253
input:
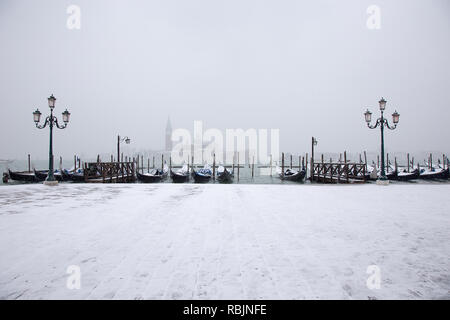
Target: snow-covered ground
x,y
167,241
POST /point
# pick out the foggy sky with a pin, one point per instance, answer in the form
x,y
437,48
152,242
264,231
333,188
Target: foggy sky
x,y
305,67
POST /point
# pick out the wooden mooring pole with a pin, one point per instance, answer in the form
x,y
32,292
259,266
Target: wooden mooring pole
x,y
29,163
271,165
239,166
253,167
407,159
214,167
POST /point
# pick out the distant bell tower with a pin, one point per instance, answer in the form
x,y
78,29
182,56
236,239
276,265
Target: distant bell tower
x,y
168,135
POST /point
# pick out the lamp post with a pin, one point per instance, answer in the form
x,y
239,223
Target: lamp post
x,y
313,143
51,121
119,140
382,122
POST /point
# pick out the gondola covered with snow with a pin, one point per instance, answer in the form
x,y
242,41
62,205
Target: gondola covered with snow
x,y
41,175
181,175
408,176
434,174
224,175
202,175
155,175
291,175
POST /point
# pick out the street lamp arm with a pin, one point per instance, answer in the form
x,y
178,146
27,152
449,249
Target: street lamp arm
x,y
375,125
388,126
55,120
47,121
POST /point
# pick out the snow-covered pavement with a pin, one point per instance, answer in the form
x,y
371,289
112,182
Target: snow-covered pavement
x,y
167,241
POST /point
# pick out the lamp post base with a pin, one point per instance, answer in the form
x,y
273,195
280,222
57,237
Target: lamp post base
x,y
51,183
382,182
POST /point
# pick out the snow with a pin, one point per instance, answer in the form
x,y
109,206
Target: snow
x,y
169,241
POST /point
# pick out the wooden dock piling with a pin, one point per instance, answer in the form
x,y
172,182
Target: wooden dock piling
x,y
214,167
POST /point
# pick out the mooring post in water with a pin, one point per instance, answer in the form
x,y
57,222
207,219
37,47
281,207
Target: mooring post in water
x,y
387,162
431,161
75,162
234,155
282,164
148,165
29,163
188,164
291,160
270,165
365,159
306,166
214,166
239,166
253,167
407,159
170,164
345,166
142,164
162,162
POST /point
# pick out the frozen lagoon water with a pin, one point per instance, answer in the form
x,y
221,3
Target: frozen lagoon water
x,y
214,241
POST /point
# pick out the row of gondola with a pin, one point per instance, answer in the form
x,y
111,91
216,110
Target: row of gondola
x,y
418,173
223,175
182,175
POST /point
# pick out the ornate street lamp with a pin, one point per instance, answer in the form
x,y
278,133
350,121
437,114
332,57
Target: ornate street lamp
x,y
382,122
119,140
51,121
311,171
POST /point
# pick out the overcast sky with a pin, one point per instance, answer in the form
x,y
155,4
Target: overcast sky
x,y
305,67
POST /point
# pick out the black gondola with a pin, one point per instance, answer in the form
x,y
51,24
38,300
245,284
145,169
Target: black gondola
x,y
392,175
407,176
180,176
224,176
156,175
292,175
23,176
202,175
434,174
41,175
77,176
